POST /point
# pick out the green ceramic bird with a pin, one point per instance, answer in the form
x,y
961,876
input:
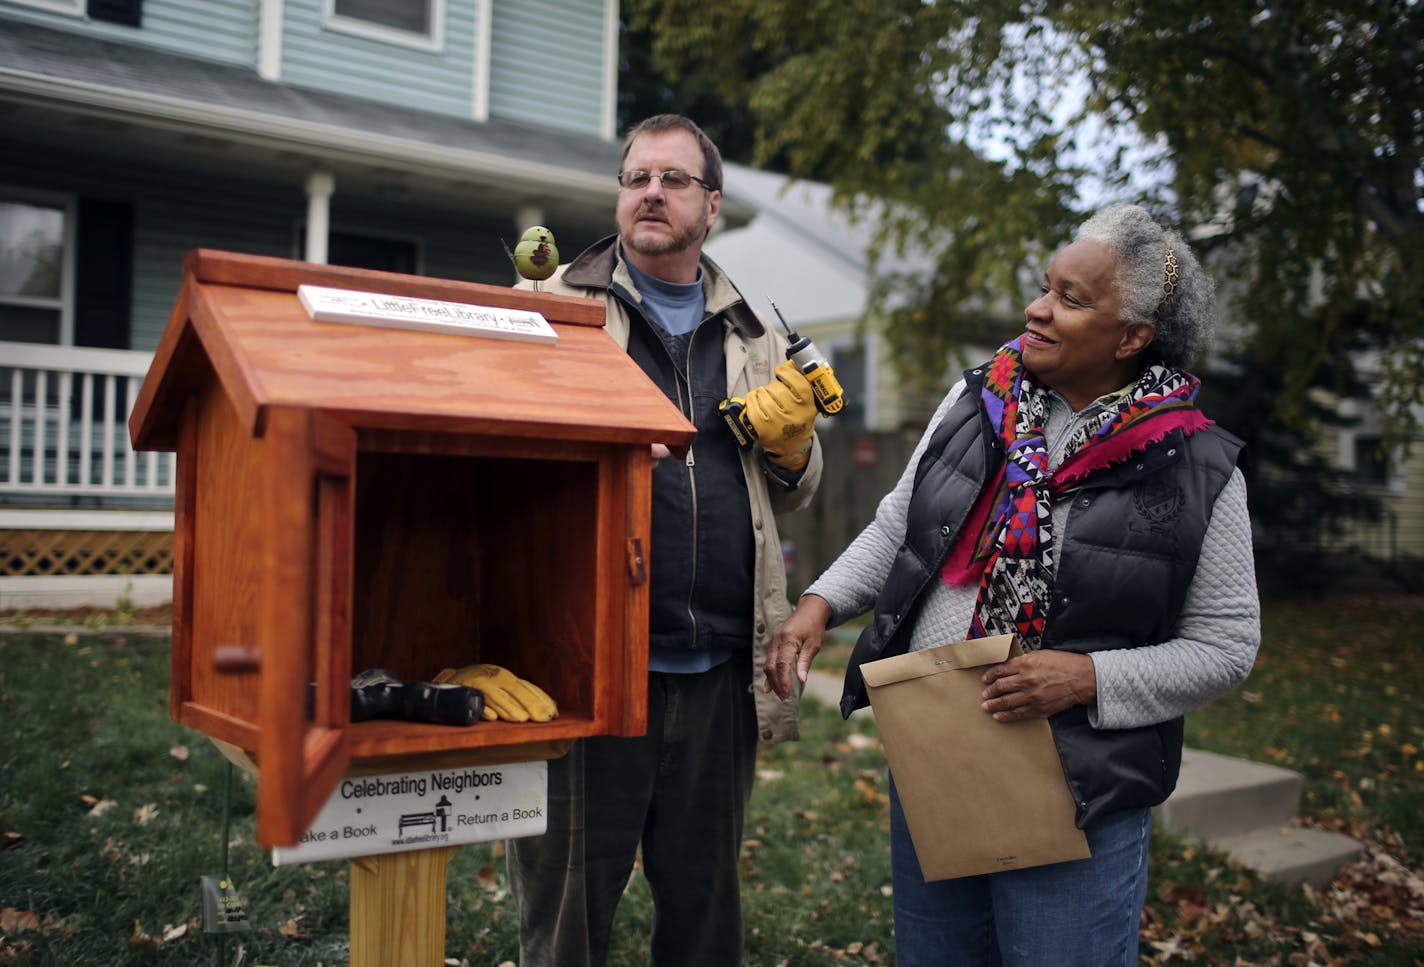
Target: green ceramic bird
x,y
536,257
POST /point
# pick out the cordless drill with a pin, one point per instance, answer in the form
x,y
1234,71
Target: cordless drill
x,y
830,398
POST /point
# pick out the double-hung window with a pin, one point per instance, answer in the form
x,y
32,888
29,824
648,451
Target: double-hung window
x,y
126,12
73,7
414,23
36,268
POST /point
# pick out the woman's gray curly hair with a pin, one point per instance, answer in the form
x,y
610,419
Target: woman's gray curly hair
x,y
1182,310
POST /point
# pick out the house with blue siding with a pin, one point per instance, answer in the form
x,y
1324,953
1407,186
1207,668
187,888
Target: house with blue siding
x,y
405,135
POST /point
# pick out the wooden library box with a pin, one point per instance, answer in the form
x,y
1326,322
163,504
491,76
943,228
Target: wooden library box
x,y
357,496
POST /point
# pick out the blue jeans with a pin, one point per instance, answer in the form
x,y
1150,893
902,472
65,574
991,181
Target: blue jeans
x,y
1085,912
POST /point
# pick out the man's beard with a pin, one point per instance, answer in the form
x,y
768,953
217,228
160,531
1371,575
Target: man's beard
x,y
686,238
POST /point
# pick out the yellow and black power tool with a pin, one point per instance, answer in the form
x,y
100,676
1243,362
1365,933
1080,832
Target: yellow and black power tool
x,y
830,398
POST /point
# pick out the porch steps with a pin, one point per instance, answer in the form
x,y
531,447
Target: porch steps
x,y
1245,809
1248,810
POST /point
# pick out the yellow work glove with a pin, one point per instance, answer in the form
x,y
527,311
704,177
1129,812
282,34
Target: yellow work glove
x,y
507,696
783,413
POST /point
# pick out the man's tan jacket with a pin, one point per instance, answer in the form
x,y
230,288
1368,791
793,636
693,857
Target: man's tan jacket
x,y
753,350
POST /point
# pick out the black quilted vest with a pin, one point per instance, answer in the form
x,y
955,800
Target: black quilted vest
x,y
1125,561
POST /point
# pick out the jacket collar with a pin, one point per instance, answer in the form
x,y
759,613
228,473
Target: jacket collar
x,y
601,266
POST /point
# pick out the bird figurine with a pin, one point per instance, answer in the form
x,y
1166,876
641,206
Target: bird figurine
x,y
536,257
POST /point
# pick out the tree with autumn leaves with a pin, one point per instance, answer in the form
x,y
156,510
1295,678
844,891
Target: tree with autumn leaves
x,y
1286,139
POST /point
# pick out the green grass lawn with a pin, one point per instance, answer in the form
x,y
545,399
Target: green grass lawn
x,y
109,814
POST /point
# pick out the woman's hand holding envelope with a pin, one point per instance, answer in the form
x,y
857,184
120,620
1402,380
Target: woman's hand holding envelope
x,y
1039,684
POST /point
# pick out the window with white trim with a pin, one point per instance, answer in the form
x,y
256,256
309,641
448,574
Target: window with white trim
x,y
1372,463
126,12
36,245
413,23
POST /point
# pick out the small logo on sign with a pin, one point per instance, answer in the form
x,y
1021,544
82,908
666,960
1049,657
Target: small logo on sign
x,y
435,819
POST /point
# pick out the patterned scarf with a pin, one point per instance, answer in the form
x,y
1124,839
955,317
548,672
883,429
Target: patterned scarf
x,y
1011,549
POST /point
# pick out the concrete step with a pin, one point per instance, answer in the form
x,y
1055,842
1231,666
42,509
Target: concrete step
x,y
1247,810
1219,796
1292,854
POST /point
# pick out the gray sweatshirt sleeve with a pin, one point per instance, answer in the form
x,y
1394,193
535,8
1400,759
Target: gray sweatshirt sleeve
x,y
1217,634
853,580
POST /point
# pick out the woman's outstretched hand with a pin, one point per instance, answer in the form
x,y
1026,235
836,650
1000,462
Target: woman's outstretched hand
x,y
795,644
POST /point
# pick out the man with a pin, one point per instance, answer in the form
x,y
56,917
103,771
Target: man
x,y
718,588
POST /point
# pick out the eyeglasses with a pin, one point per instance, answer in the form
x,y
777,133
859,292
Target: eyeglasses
x,y
673,179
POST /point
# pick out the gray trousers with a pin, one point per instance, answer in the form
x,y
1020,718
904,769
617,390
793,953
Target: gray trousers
x,y
680,792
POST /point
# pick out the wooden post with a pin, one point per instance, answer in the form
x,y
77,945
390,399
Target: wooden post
x,y
398,908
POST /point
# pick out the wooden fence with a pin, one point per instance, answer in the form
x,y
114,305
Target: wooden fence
x,y
861,468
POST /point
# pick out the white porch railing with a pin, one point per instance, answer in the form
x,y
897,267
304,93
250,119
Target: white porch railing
x,y
64,424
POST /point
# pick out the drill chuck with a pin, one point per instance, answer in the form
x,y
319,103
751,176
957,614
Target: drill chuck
x,y
830,399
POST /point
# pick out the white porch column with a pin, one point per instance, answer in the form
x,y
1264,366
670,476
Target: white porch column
x,y
480,95
320,185
608,115
269,40
527,217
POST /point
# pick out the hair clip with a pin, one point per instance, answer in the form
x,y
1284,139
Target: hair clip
x,y
1169,280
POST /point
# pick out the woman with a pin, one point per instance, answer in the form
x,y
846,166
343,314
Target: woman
x,y
1070,492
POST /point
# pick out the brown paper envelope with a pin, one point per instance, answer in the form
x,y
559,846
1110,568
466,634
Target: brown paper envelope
x,y
979,796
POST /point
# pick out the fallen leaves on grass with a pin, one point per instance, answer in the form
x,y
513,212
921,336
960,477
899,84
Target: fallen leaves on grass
x,y
141,938
15,924
1377,893
98,807
123,857
14,952
1375,897
868,789
14,921
855,952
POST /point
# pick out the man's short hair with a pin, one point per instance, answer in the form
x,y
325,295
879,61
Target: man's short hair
x,y
711,157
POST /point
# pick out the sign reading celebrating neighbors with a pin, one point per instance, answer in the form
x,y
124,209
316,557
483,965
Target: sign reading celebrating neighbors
x,y
431,315
369,815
